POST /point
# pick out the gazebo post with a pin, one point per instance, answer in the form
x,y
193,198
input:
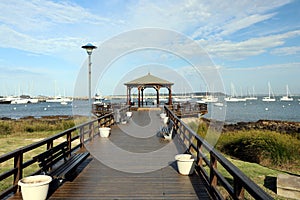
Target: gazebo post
x,y
142,96
157,94
128,95
139,96
170,95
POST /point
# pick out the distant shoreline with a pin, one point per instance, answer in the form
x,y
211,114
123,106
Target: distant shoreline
x,y
271,125
48,117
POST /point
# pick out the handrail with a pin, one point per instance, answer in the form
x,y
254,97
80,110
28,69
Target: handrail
x,y
17,156
241,182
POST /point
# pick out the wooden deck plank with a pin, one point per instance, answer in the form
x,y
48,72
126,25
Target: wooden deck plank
x,y
101,180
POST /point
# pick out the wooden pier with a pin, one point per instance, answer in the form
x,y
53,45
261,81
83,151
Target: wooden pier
x,y
101,181
107,175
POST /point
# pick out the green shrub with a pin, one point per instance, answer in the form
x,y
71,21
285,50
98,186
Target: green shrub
x,y
34,125
67,124
5,129
263,147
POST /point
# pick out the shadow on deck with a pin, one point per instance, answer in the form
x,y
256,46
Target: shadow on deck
x,y
133,163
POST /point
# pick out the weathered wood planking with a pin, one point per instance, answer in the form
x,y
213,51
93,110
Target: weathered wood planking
x,y
98,181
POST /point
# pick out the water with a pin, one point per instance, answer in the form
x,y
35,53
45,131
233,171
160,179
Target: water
x,y
235,112
41,109
256,110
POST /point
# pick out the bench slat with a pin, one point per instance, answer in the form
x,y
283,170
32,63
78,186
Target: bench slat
x,y
70,165
60,152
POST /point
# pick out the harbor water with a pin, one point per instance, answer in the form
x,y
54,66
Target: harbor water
x,y
235,111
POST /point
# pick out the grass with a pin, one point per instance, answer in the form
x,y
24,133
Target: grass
x,y
262,176
261,155
15,134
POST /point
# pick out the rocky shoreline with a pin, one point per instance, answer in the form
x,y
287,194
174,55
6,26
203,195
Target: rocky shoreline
x,y
50,117
270,125
285,127
266,125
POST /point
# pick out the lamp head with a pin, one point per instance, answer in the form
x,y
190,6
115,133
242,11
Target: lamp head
x,y
89,48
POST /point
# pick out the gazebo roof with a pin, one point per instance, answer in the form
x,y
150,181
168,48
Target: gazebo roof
x,y
148,80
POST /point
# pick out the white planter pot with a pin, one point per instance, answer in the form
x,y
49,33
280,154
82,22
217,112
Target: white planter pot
x,y
165,120
163,115
185,164
104,131
35,187
128,114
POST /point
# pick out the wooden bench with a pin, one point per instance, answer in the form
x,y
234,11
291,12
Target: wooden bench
x,y
167,131
49,161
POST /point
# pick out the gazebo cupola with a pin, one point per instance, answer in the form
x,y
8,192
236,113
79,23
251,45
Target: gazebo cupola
x,y
148,81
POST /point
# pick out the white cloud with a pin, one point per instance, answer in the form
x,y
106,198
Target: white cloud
x,y
227,17
251,47
13,39
267,67
239,24
39,14
284,51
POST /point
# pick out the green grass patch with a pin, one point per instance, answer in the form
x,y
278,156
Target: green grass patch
x,y
267,148
260,155
15,134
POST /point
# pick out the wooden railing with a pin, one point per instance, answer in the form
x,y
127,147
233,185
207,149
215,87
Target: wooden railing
x,y
189,109
76,138
208,166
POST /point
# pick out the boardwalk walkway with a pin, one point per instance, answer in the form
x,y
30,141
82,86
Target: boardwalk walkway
x,y
133,163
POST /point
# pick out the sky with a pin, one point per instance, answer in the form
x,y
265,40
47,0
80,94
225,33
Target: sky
x,y
197,44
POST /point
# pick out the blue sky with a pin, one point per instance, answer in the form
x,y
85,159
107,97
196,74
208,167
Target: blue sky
x,y
248,42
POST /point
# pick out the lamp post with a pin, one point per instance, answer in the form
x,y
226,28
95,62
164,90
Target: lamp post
x,y
89,49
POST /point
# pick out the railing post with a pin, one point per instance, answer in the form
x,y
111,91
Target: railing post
x,y
81,137
90,131
69,138
238,189
199,156
18,163
49,144
213,177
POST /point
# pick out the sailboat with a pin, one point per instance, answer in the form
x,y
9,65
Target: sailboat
x,y
233,97
251,96
287,97
271,97
209,98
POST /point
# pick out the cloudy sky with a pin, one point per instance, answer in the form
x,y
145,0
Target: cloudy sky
x,y
249,43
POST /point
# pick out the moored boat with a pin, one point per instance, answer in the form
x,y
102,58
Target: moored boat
x,y
288,96
271,97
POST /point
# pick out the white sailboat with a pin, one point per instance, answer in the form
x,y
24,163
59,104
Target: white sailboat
x,y
233,97
251,96
58,98
271,97
209,98
288,96
19,100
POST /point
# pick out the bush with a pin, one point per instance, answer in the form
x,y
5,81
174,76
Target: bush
x,y
5,129
34,125
262,147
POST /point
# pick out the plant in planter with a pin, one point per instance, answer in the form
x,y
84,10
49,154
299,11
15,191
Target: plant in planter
x,y
35,187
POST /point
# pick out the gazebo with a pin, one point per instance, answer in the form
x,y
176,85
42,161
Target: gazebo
x,y
148,81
